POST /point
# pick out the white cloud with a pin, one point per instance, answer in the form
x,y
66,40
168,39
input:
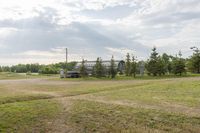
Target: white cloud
x,y
4,32
122,51
41,29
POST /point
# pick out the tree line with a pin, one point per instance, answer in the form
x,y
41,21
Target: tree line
x,y
156,65
38,68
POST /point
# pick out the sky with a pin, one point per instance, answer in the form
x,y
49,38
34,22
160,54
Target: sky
x,y
34,31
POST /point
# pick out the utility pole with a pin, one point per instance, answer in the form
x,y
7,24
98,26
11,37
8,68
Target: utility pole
x,y
66,55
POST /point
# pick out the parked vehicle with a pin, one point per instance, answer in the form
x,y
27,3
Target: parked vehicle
x,y
73,74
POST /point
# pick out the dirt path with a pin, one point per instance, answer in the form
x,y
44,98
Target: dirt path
x,y
59,125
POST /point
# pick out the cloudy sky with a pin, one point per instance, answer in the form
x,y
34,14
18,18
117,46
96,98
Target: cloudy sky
x,y
39,30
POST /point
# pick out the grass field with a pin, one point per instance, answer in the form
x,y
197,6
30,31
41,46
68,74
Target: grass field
x,y
10,75
41,104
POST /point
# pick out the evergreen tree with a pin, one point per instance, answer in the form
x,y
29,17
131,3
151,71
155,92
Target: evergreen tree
x,y
161,66
152,63
83,70
179,65
112,71
195,60
167,62
128,65
133,67
155,65
99,68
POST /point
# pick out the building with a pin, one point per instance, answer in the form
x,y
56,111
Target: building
x,y
120,65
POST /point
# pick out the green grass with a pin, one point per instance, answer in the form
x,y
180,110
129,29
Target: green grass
x,y
146,77
21,98
186,92
14,93
164,105
10,75
123,77
178,91
94,117
7,75
25,90
29,116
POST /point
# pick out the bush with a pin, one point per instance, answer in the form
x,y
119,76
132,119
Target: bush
x,y
48,70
